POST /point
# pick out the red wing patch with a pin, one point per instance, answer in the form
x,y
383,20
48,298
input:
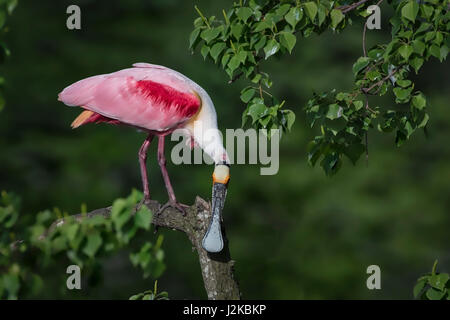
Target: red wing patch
x,y
186,104
97,118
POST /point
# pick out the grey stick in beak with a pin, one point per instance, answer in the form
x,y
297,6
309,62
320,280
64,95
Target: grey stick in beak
x,y
213,239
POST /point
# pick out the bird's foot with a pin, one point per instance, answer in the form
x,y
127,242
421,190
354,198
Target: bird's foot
x,y
175,204
142,202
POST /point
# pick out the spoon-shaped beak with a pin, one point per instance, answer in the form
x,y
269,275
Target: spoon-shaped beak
x,y
213,240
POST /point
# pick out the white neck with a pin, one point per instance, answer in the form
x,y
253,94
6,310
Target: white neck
x,y
203,128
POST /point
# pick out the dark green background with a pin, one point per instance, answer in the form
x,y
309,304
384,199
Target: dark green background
x,y
294,235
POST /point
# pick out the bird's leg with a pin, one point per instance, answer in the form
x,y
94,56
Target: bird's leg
x,y
142,163
162,163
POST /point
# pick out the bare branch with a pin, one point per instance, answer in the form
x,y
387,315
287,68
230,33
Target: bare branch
x,y
349,7
236,77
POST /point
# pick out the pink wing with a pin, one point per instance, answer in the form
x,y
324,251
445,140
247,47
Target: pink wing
x,y
146,96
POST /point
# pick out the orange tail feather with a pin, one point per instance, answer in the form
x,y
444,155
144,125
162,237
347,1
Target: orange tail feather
x,y
81,119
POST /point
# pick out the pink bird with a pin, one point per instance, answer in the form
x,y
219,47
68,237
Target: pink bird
x,y
157,100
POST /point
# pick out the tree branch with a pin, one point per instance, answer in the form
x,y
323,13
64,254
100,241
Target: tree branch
x,y
217,268
379,83
349,7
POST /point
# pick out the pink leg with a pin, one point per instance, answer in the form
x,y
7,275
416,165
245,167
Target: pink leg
x,y
162,163
165,174
142,163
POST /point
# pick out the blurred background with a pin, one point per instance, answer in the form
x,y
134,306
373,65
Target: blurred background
x,y
294,235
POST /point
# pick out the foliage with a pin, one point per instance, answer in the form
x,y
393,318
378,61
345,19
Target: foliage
x,y
151,295
79,240
433,286
255,30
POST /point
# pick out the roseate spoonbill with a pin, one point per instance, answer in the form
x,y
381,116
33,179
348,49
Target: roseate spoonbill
x,y
157,100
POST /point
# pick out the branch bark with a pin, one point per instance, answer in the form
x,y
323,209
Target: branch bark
x,y
217,268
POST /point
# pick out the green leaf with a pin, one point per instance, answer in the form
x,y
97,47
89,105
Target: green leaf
x,y
136,296
288,40
283,9
204,51
336,17
256,111
290,118
210,34
354,152
404,83
416,63
360,64
443,53
424,121
143,218
216,50
257,78
247,94
225,59
331,163
424,26
294,16
260,44
71,231
271,48
311,9
409,129
438,281
260,26
119,213
402,94
236,30
334,111
193,37
410,10
434,294
242,56
405,51
94,241
264,121
427,10
244,13
314,152
418,46
234,63
419,101
439,37
429,36
358,104
322,14
435,51
420,285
